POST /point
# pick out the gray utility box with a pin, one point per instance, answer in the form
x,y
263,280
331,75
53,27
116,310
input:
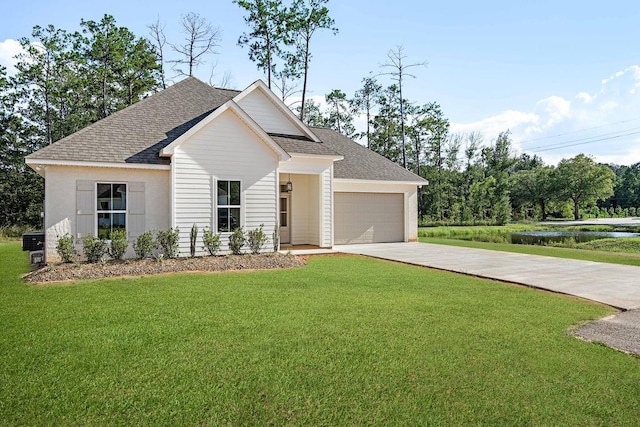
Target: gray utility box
x,y
33,241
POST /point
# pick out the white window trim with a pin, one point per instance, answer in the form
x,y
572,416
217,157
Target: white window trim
x,y
216,205
98,211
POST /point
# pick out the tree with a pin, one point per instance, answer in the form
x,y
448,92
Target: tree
x,y
385,138
399,71
267,20
120,68
365,100
21,188
201,38
498,161
583,181
535,186
307,17
340,117
159,40
313,114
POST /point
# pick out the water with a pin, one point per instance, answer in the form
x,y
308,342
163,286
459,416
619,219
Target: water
x,y
544,237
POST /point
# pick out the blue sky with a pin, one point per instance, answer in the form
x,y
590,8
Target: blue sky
x,y
558,74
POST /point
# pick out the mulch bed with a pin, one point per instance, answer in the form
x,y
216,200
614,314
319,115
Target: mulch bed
x,y
65,272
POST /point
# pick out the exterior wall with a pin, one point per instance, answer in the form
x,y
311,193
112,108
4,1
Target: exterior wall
x,y
60,199
267,115
305,208
327,188
225,149
410,192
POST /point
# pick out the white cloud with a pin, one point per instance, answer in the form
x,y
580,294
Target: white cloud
x,y
9,48
600,122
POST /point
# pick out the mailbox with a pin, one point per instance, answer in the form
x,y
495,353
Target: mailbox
x,y
33,241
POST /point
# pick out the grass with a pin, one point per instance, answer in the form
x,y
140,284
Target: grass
x,y
345,340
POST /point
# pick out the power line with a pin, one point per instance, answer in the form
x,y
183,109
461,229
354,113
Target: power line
x,y
585,142
603,135
577,131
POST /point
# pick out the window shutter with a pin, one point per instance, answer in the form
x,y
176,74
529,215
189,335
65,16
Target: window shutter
x,y
85,208
136,222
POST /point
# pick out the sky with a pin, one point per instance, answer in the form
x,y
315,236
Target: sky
x,y
562,76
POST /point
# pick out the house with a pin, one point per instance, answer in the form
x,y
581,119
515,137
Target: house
x,y
218,158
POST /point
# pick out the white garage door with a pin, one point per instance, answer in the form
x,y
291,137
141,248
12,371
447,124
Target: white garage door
x,y
368,218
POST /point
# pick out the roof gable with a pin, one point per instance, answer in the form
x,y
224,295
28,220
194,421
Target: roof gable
x,y
270,112
233,107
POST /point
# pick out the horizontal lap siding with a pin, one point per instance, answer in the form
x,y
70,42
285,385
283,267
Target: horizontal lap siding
x,y
327,208
267,115
223,150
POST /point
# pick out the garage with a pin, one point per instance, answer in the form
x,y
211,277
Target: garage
x,y
368,218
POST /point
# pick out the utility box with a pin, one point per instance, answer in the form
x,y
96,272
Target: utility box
x,y
33,241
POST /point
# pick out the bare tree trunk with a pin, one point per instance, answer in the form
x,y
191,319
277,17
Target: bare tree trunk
x,y
306,73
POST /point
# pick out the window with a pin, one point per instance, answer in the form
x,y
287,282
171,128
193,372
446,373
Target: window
x,y
111,208
228,205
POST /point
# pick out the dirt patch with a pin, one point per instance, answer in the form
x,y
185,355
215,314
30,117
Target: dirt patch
x,y
65,272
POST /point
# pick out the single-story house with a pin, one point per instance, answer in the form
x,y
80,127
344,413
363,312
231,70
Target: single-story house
x,y
219,158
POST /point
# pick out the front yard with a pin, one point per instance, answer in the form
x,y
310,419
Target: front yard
x,y
343,340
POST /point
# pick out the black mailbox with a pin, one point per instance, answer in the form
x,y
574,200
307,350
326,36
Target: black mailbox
x,y
33,241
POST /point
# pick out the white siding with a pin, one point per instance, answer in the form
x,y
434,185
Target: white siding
x,y
225,149
267,114
326,208
314,210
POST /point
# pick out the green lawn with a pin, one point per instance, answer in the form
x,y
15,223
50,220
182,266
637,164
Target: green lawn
x,y
342,341
583,254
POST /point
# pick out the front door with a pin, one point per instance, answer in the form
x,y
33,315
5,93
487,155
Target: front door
x,y
285,216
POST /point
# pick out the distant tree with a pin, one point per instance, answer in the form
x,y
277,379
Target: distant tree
x,y
537,186
399,70
498,161
365,101
584,181
386,136
339,114
267,20
120,67
201,38
305,19
313,115
159,40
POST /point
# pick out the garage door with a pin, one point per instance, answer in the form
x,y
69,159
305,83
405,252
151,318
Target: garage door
x,y
368,218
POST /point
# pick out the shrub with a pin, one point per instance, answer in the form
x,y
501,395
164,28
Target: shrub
x,y
193,238
211,241
236,241
143,246
256,239
632,211
168,242
94,248
119,244
66,249
276,239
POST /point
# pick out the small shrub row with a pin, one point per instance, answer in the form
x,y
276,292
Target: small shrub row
x,y
165,244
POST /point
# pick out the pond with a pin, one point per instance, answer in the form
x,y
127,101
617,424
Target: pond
x,y
544,237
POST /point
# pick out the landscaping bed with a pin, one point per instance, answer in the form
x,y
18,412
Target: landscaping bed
x,y
73,271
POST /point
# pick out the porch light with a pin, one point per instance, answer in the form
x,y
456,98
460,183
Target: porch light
x,y
289,186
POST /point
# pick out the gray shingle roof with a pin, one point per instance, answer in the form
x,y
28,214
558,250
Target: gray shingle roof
x,y
361,163
302,145
137,133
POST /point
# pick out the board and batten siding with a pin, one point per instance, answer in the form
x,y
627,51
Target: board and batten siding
x,y
225,149
267,114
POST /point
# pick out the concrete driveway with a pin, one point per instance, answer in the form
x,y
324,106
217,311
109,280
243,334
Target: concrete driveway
x,y
611,284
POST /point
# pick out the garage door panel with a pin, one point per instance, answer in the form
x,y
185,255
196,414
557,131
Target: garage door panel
x,y
368,217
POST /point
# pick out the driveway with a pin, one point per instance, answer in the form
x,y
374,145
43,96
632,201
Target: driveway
x,y
611,284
